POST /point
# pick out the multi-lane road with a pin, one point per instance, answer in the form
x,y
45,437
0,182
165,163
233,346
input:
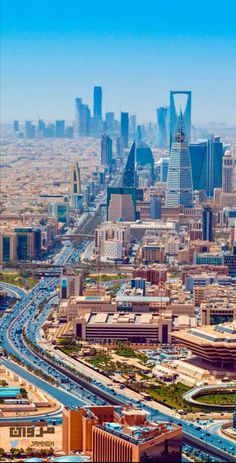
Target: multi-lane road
x,y
70,388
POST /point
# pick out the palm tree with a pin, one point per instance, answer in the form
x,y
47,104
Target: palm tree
x,y
2,451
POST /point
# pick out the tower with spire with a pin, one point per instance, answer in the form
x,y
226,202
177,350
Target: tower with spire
x,y
179,188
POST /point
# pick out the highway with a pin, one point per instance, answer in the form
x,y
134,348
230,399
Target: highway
x,y
69,391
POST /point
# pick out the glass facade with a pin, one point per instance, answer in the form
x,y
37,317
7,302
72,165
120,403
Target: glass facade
x,y
124,129
164,452
6,248
162,126
174,114
144,156
129,177
22,247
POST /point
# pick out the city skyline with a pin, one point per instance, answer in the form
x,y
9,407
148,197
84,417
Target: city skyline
x,y
50,58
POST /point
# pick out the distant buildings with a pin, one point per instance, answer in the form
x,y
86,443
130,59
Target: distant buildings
x,y
162,126
179,189
124,129
97,102
60,129
106,150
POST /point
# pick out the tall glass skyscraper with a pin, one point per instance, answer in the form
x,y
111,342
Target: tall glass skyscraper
x,y
106,150
97,102
129,176
124,128
175,111
179,188
162,126
144,156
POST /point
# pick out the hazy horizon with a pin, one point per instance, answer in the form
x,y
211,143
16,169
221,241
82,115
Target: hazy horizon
x,y
54,51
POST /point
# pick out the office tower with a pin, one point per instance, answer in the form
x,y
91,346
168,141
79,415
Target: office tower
x,y
144,156
75,179
71,283
124,128
60,129
78,104
162,126
133,126
155,207
110,124
174,114
60,211
119,148
198,159
121,204
84,120
129,176
16,126
29,130
69,132
207,224
49,131
228,173
97,102
106,150
164,167
139,133
215,152
179,189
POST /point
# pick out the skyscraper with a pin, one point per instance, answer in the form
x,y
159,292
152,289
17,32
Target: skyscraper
x,y
110,124
179,188
207,224
121,204
133,126
106,150
144,156
78,104
60,129
174,114
215,152
97,102
75,179
227,174
16,126
162,126
124,128
29,130
129,176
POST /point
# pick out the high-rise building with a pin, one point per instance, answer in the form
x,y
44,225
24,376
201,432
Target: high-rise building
x,y
60,129
119,148
82,118
124,128
29,130
228,173
215,152
110,124
16,126
97,102
164,167
174,111
71,283
133,126
129,177
121,204
179,188
144,156
198,158
139,133
155,207
106,150
78,104
75,179
162,126
207,224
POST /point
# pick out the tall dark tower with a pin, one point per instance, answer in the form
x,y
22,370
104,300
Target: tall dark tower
x,y
207,224
106,150
129,176
124,128
97,102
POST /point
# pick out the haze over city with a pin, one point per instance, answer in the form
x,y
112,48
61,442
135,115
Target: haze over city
x,y
54,51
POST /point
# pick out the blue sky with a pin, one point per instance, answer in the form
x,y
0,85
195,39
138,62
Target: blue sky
x,y
55,50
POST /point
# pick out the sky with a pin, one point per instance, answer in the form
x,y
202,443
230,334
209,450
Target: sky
x,y
138,50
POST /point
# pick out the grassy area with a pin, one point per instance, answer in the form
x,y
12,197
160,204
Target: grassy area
x,y
223,398
71,349
104,362
125,351
16,278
